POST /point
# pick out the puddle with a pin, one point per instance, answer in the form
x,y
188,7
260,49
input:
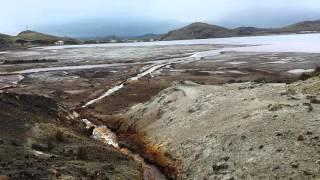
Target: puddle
x,y
4,52
300,71
64,68
236,72
214,72
10,81
277,62
237,63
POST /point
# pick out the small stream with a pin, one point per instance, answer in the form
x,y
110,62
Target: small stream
x,y
106,136
146,70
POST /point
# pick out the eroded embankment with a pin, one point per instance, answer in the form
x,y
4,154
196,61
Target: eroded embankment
x,y
105,135
150,152
235,131
143,152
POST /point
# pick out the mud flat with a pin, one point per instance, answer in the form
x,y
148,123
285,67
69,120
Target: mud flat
x,y
249,118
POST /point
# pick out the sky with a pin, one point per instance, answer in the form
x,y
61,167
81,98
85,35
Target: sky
x,y
81,18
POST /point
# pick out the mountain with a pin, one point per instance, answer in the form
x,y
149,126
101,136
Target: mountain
x,y
303,26
205,31
197,31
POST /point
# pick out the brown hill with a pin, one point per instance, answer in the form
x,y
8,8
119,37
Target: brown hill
x,y
205,31
198,31
41,38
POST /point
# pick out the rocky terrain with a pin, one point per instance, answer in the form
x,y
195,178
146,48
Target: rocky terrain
x,y
235,131
245,115
41,139
205,31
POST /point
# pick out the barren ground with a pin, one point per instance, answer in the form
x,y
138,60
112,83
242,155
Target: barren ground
x,y
213,130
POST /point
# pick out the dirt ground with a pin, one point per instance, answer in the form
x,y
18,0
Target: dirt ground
x,y
235,131
225,128
40,139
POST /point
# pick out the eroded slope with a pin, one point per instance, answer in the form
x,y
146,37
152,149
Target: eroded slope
x,y
241,130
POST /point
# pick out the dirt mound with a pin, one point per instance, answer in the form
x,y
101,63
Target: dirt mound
x,y
235,131
40,139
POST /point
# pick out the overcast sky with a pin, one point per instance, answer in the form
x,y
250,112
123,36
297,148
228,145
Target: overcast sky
x,y
134,17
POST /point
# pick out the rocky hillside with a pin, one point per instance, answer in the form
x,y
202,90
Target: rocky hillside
x,y
235,131
205,31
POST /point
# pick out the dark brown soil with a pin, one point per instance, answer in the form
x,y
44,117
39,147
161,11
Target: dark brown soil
x,y
40,139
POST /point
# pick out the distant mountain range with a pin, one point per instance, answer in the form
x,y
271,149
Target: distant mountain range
x,y
108,39
193,31
204,31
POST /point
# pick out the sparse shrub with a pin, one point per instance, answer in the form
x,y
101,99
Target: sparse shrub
x,y
306,76
59,136
317,70
260,80
82,153
50,146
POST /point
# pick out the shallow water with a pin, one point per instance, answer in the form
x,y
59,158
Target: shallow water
x,y
105,135
271,43
64,68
